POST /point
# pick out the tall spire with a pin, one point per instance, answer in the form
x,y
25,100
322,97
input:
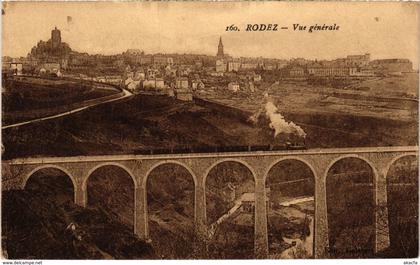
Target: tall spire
x,y
220,52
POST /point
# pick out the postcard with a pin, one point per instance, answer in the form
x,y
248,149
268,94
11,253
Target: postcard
x,y
209,130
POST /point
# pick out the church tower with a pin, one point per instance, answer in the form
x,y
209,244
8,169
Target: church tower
x,y
220,49
55,38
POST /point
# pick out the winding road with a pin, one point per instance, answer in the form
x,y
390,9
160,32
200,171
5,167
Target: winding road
x,y
126,94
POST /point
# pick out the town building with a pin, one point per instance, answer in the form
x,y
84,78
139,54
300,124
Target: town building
x,y
55,38
181,83
134,52
132,85
221,66
248,202
16,68
365,71
51,67
233,86
53,50
153,84
162,60
296,71
248,66
282,64
197,84
358,60
152,73
330,69
392,66
233,66
139,75
183,94
269,66
216,74
145,60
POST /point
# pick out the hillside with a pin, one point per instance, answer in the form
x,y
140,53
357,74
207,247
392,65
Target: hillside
x,y
149,122
44,212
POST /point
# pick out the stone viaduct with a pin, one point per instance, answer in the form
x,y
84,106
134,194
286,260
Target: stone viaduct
x,y
17,172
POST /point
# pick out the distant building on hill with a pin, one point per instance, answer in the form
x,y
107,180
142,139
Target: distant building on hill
x,y
55,38
16,68
296,71
53,50
358,60
390,66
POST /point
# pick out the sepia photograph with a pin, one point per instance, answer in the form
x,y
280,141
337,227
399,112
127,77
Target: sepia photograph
x,y
209,130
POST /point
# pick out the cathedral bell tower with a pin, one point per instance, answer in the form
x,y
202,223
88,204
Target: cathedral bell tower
x,y
55,38
220,52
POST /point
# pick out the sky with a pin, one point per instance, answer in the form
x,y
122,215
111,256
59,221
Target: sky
x,y
383,29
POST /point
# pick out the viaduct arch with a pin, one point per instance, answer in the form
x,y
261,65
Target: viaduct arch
x,y
234,160
144,184
403,206
370,213
302,163
15,174
118,165
109,164
65,171
60,168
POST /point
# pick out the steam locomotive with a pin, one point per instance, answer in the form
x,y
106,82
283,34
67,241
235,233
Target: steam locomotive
x,y
222,149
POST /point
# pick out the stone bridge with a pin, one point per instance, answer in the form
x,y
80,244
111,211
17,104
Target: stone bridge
x,y
17,172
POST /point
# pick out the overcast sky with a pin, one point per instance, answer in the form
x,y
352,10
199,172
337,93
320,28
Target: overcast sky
x,y
386,30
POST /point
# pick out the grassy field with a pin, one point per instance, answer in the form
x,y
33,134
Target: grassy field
x,y
394,98
28,98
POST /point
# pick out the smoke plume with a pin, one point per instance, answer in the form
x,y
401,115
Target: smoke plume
x,y
277,121
279,124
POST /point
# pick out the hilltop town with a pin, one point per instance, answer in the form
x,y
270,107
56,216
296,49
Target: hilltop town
x,y
181,75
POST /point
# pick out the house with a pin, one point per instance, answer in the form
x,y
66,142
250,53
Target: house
x,y
248,202
139,75
181,83
51,67
16,68
233,66
153,84
183,94
389,66
216,74
133,85
296,71
233,86
330,69
221,66
197,84
257,78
